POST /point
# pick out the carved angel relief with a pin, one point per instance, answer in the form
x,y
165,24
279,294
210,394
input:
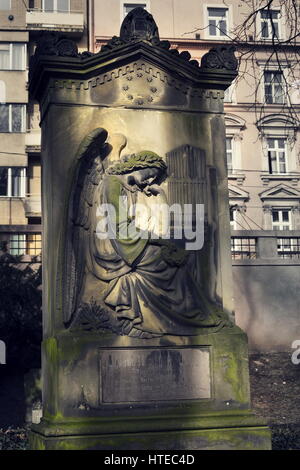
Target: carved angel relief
x,y
133,281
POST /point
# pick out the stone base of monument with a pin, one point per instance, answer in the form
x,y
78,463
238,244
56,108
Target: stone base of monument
x,y
114,392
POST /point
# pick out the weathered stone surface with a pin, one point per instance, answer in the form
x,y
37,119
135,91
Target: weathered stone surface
x,y
137,97
70,420
144,375
235,438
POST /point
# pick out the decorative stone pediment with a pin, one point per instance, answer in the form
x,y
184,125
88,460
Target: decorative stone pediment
x,y
277,121
139,84
280,191
237,193
234,122
135,69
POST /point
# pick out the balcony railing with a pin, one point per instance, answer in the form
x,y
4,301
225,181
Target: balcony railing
x,y
243,248
22,242
288,247
265,245
55,20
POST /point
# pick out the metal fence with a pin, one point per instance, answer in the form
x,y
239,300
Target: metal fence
x,y
21,244
251,245
243,248
288,247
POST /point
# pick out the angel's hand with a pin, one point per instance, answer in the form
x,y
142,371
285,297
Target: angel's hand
x,y
154,190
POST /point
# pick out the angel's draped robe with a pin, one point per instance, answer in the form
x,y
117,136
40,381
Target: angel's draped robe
x,y
141,286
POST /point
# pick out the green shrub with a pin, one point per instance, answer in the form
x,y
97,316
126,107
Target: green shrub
x,y
20,311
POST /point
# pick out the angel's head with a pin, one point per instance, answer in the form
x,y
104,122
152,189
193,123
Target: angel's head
x,y
144,169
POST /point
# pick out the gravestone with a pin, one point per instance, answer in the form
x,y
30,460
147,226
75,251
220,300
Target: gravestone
x,y
140,348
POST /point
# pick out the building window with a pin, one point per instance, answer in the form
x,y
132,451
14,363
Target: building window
x,y
17,244
25,243
12,56
5,5
12,117
281,219
131,6
243,248
232,217
34,244
229,154
61,6
277,155
12,182
217,21
274,91
270,24
288,248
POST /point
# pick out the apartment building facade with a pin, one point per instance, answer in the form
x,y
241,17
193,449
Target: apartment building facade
x,y
262,143
20,163
262,131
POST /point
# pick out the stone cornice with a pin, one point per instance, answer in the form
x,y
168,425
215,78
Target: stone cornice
x,y
83,67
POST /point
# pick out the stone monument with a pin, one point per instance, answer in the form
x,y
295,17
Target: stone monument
x,y
140,348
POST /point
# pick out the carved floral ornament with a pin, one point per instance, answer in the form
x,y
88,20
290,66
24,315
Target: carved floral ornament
x,y
238,137
278,125
137,26
221,57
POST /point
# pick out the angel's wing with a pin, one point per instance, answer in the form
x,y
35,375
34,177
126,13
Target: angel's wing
x,y
86,178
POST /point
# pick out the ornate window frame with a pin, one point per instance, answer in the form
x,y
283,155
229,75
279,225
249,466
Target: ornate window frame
x,y
281,197
279,126
234,127
237,197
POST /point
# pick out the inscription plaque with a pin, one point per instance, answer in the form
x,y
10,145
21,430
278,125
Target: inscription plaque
x,y
145,375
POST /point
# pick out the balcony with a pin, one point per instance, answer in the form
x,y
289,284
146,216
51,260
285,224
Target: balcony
x,y
33,206
72,22
265,247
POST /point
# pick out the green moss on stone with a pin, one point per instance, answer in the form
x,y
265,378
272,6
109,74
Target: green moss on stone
x,y
222,438
232,375
50,345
